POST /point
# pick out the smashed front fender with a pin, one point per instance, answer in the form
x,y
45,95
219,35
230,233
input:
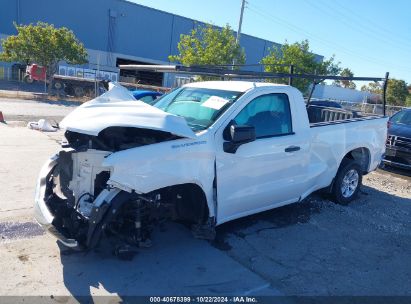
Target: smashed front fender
x,y
148,168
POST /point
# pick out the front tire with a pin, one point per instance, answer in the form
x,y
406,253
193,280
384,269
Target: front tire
x,y
347,182
28,79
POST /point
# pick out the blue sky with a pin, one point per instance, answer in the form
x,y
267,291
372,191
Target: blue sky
x,y
370,37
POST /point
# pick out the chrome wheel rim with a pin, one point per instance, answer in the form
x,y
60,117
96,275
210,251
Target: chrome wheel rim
x,y
349,183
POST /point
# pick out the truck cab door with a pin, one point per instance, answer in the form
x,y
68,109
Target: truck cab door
x,y
267,172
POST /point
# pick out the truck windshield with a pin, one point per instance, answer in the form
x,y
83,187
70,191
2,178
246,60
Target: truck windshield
x,y
200,107
403,117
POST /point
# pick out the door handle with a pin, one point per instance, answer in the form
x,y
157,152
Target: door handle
x,y
292,149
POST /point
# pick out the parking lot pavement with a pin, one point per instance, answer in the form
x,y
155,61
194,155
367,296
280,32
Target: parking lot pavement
x,y
310,248
22,153
177,264
33,110
32,263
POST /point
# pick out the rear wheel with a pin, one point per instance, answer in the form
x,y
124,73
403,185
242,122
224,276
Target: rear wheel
x,y
347,182
78,91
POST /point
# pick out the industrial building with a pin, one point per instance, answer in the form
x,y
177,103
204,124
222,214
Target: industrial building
x,y
117,32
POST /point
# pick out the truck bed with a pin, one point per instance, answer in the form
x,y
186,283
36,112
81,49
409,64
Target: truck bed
x,y
320,115
331,141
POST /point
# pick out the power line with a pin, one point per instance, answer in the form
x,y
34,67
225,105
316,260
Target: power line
x,y
295,28
373,25
299,30
343,18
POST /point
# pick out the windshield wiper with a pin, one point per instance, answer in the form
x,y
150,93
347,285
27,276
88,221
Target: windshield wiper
x,y
188,99
201,127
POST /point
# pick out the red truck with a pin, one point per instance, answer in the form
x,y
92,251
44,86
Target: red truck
x,y
76,86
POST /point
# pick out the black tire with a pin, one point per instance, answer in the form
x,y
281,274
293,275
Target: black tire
x,y
78,91
347,168
58,85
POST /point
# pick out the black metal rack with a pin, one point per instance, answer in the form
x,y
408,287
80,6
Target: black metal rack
x,y
234,71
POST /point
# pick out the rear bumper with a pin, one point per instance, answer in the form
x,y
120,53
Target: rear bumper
x,y
42,213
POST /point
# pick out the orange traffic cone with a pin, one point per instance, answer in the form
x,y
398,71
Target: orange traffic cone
x,y
2,117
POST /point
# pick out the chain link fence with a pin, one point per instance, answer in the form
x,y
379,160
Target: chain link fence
x,y
12,79
369,108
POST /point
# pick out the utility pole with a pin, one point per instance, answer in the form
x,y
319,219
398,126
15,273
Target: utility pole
x,y
240,23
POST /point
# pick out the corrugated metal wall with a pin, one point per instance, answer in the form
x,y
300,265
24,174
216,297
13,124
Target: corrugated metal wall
x,y
117,27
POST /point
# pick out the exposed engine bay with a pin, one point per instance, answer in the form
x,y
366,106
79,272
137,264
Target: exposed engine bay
x,y
86,205
116,139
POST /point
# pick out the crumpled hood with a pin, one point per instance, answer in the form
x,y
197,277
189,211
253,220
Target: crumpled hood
x,y
118,108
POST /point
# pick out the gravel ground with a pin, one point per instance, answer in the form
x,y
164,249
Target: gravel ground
x,y
320,248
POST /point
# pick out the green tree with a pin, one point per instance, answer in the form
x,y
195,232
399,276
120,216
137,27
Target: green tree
x,y
328,67
408,101
43,44
208,45
372,87
299,55
346,83
397,91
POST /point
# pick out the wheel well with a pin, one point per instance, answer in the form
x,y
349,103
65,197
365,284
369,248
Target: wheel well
x,y
360,155
189,200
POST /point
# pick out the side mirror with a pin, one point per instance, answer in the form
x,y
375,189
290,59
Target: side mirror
x,y
242,134
239,135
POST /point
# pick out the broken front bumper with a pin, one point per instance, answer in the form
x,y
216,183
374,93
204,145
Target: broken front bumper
x,y
64,221
42,213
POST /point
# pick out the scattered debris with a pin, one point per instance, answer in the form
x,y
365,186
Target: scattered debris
x,y
42,125
23,257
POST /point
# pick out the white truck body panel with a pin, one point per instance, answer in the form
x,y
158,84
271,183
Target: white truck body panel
x,y
152,167
330,143
259,176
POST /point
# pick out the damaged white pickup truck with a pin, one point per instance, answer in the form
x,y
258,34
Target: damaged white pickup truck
x,y
204,154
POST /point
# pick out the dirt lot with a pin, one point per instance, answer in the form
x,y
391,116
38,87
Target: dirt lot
x,y
311,248
318,247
